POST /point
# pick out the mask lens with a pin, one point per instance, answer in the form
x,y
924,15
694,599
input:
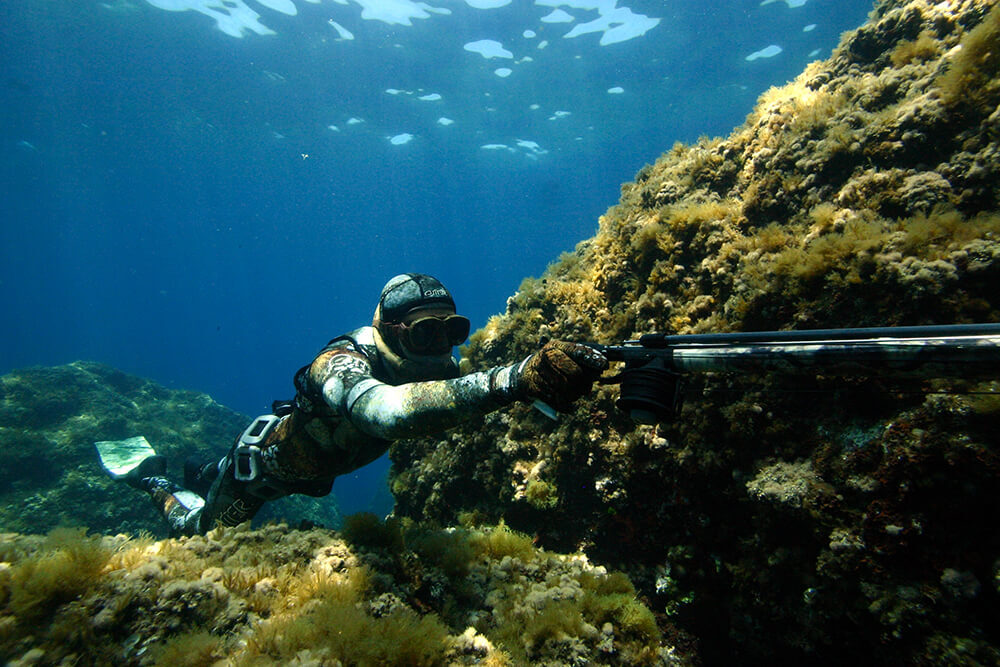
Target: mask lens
x,y
458,328
423,333
435,334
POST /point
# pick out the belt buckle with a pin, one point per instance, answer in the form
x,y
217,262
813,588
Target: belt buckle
x,y
246,462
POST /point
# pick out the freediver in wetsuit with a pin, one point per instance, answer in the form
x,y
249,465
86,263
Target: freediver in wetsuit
x,y
394,379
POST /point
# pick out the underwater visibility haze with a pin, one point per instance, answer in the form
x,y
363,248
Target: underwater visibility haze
x,y
203,193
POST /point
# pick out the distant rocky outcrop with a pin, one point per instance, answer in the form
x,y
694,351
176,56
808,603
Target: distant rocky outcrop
x,y
814,521
49,470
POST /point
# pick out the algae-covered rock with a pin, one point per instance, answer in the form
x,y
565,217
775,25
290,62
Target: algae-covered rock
x,y
389,593
50,419
804,519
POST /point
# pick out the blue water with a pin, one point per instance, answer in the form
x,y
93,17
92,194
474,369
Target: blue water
x,y
175,203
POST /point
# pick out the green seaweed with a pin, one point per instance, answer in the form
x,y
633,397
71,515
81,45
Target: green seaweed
x,y
973,77
65,567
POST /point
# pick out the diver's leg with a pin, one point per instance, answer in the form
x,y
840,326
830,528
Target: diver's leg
x,y
134,462
198,475
229,501
181,508
273,470
232,501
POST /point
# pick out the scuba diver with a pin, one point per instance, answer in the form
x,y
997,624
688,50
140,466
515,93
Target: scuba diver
x,y
392,380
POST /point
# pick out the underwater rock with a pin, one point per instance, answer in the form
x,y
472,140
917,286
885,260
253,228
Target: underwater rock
x,y
49,471
799,519
381,593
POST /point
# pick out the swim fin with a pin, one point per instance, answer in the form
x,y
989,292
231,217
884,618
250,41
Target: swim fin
x,y
119,457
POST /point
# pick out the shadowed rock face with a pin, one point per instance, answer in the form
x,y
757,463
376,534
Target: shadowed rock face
x,y
810,519
49,471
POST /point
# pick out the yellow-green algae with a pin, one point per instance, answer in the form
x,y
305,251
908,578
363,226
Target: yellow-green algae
x,y
383,593
815,520
856,173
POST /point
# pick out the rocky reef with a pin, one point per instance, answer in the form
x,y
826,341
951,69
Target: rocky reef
x,y
381,593
393,592
808,519
49,471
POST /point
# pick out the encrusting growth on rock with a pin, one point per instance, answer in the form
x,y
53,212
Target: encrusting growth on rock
x,y
776,518
380,593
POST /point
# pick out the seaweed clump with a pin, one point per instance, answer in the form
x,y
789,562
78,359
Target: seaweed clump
x,y
798,519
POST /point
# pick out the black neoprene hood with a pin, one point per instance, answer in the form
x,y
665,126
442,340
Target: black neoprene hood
x,y
409,291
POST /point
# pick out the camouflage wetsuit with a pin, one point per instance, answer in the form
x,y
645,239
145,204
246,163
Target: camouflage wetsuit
x,y
349,407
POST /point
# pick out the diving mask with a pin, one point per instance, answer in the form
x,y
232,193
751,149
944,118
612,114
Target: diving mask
x,y
433,335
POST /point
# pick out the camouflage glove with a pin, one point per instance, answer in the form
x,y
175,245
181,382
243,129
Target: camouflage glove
x,y
560,373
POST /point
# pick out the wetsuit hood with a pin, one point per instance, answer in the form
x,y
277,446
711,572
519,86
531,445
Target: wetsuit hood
x,y
408,292
402,295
